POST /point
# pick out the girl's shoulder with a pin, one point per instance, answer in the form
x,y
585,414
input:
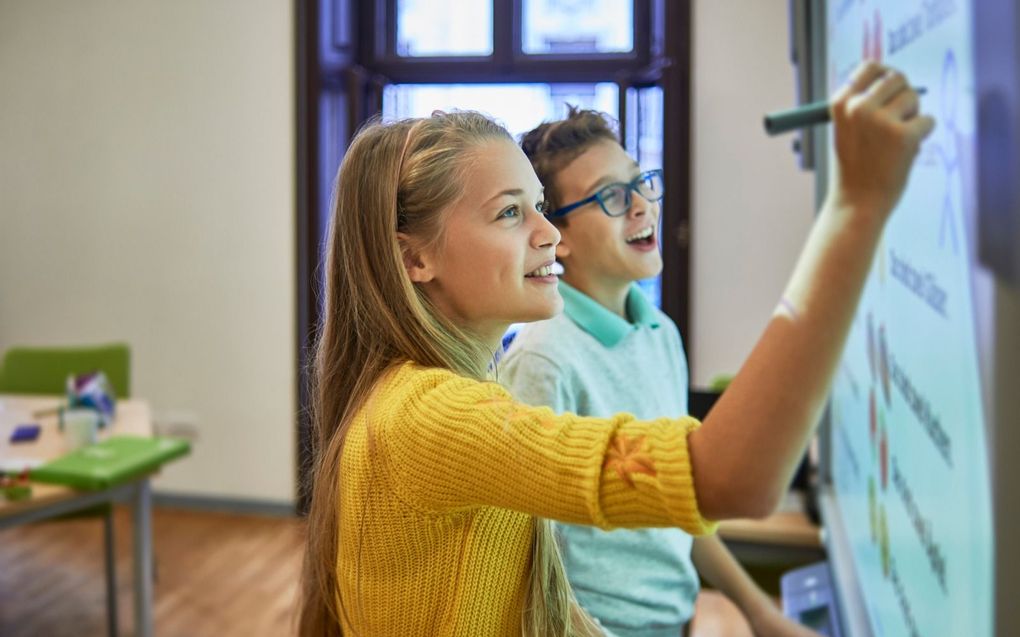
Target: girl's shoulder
x,y
414,387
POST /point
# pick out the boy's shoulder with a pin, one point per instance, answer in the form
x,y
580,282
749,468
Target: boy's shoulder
x,y
562,339
667,324
556,339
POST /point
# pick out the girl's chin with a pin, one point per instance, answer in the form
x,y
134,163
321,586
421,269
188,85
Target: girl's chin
x,y
541,312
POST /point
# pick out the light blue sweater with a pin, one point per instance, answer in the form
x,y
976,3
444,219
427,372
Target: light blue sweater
x,y
591,362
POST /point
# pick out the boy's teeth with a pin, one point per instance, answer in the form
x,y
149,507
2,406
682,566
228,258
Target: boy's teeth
x,y
545,270
643,234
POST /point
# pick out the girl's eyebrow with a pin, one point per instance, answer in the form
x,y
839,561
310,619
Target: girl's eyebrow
x,y
512,192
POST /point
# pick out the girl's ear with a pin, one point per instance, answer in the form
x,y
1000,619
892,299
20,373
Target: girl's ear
x,y
418,266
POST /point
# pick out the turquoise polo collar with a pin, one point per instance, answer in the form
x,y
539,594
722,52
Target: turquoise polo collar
x,y
608,328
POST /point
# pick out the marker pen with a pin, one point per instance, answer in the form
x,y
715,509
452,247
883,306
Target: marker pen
x,y
803,116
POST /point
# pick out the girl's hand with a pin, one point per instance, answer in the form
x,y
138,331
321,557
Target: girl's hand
x,y
878,132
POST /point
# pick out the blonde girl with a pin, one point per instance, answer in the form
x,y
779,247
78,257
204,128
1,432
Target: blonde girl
x,y
431,485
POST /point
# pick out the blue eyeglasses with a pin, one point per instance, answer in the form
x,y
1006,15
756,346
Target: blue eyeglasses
x,y
615,198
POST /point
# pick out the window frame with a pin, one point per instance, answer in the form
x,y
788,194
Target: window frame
x,y
508,61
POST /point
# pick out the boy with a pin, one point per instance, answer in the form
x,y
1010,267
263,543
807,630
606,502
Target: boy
x,y
611,350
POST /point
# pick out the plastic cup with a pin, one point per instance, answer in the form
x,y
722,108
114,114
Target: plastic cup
x,y
81,427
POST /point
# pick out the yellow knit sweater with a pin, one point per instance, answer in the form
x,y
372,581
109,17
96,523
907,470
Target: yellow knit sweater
x,y
441,478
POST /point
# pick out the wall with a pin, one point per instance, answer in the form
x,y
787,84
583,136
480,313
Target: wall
x,y
146,180
751,205
146,195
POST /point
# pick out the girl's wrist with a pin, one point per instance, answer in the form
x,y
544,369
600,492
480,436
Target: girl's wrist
x,y
861,213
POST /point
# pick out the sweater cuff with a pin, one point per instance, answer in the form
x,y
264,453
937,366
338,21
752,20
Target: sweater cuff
x,y
647,478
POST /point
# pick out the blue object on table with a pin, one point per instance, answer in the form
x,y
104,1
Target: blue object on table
x,y
25,433
809,599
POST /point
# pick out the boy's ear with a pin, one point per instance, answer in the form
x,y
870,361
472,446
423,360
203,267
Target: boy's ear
x,y
562,249
417,264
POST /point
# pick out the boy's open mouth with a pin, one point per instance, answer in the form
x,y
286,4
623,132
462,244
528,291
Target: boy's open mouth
x,y
644,237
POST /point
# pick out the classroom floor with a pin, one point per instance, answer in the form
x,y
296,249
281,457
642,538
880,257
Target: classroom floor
x,y
217,574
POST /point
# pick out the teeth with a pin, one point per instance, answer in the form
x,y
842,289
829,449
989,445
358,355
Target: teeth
x,y
644,234
545,270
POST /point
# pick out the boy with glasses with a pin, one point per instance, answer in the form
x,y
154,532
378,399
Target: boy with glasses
x,y
611,350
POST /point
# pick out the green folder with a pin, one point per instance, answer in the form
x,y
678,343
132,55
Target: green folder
x,y
110,462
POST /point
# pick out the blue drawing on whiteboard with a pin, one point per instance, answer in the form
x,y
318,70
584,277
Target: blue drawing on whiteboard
x,y
949,151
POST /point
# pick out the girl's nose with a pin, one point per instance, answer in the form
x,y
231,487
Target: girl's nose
x,y
545,234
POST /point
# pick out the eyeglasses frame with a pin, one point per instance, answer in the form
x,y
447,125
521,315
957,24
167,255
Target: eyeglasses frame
x,y
632,185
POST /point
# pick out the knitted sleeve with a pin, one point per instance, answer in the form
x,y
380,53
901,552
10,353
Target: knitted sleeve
x,y
451,443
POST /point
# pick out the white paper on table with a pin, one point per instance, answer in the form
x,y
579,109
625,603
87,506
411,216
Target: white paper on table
x,y
16,465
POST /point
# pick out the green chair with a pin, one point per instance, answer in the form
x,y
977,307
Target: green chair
x,y
44,370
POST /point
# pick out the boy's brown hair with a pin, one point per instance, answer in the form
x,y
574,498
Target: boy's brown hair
x,y
553,145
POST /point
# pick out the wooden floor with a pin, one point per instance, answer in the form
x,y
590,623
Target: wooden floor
x,y
217,574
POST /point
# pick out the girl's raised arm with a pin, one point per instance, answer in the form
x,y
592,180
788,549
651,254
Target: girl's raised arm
x,y
442,444
744,456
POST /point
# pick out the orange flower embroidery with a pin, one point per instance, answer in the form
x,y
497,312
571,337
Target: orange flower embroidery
x,y
626,457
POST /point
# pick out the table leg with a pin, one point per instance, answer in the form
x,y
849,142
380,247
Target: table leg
x,y
143,559
111,572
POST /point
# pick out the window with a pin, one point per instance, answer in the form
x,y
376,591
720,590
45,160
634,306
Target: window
x,y
644,143
444,27
519,107
577,26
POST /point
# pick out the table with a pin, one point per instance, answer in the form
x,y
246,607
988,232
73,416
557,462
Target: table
x,y
49,501
783,528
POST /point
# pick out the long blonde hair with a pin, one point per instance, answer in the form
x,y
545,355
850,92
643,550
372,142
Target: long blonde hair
x,y
395,177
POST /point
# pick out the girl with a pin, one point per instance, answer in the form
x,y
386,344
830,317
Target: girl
x,y
431,485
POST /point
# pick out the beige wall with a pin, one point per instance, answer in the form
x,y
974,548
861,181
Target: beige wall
x,y
752,207
146,195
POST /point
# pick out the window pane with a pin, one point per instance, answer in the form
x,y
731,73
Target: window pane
x,y
578,26
519,107
653,287
644,143
444,27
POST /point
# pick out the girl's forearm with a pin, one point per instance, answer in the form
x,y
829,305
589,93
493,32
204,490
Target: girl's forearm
x,y
745,455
